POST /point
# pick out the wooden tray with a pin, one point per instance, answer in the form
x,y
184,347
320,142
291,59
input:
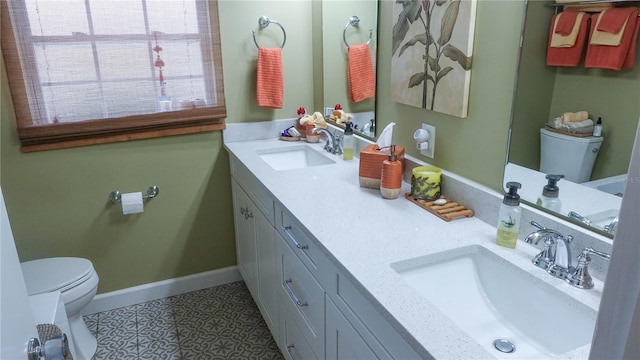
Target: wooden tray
x,y
447,212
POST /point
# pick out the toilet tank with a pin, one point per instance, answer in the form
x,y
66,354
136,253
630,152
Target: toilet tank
x,y
571,156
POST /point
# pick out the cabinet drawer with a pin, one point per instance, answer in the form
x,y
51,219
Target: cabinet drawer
x,y
305,297
255,189
368,322
303,244
293,345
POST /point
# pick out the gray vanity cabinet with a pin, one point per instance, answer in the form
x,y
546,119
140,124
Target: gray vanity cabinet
x,y
256,253
311,308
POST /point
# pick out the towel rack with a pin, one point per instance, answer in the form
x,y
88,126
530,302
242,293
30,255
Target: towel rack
x,y
263,22
354,21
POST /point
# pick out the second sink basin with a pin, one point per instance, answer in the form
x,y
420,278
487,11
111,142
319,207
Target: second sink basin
x,y
293,157
492,299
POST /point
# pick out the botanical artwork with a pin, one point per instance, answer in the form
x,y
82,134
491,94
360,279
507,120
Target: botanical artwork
x,y
431,54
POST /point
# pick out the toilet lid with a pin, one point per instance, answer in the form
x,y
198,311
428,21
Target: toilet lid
x,y
46,275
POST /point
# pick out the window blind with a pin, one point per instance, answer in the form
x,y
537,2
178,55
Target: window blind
x,y
93,71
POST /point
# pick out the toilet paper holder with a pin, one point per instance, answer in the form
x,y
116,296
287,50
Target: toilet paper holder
x,y
116,196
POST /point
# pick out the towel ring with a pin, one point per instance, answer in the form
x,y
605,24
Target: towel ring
x,y
263,22
354,21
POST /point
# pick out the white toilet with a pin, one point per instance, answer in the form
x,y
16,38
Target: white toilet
x,y
77,281
568,155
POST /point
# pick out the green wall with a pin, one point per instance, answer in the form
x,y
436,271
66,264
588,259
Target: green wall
x,y
475,146
57,200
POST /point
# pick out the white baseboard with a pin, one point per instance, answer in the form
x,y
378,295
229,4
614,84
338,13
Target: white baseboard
x,y
161,289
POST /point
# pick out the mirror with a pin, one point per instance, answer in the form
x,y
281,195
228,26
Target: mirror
x,y
543,93
333,87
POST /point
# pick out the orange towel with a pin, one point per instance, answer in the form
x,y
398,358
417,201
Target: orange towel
x,y
362,83
606,38
559,40
613,57
612,20
631,55
270,84
567,56
565,22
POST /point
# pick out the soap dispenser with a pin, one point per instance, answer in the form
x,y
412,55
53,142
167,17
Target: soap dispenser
x,y
391,177
509,217
347,142
597,129
549,198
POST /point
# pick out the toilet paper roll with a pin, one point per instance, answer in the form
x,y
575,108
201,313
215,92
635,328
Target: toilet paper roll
x,y
132,203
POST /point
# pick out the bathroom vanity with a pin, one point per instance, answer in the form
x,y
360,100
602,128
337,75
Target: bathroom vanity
x,y
328,264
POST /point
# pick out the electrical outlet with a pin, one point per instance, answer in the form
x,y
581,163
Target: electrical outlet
x,y
328,111
429,151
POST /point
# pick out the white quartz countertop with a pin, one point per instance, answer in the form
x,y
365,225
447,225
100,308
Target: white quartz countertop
x,y
363,234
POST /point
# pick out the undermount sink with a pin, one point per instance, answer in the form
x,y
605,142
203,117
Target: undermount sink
x,y
293,157
492,299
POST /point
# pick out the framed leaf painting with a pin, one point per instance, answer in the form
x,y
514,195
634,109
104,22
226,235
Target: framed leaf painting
x,y
432,54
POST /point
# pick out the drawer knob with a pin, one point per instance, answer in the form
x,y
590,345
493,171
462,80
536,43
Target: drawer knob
x,y
246,212
293,295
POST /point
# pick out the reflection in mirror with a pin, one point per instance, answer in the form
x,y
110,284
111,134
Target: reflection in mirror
x,y
544,93
336,16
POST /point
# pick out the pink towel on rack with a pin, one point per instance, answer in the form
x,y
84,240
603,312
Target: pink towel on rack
x,y
630,61
360,78
614,57
565,22
270,82
567,56
613,19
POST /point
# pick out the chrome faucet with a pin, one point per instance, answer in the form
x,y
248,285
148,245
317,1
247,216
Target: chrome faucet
x,y
580,277
583,219
555,257
333,141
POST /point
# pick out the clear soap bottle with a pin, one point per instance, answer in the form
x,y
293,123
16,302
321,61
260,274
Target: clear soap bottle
x,y
509,217
550,192
164,100
347,142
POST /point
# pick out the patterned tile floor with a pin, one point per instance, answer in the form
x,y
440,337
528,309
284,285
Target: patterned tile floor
x,y
221,322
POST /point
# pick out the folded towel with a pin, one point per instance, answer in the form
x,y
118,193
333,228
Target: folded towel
x,y
565,22
613,57
559,40
613,20
630,60
578,124
604,37
567,56
362,84
270,84
584,127
574,116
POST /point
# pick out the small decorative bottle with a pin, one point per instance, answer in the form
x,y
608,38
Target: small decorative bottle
x,y
597,130
391,177
347,143
164,100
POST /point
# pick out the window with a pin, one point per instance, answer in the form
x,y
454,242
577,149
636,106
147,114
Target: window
x,y
84,72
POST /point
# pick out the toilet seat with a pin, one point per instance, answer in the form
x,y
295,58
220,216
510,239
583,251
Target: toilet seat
x,y
56,274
